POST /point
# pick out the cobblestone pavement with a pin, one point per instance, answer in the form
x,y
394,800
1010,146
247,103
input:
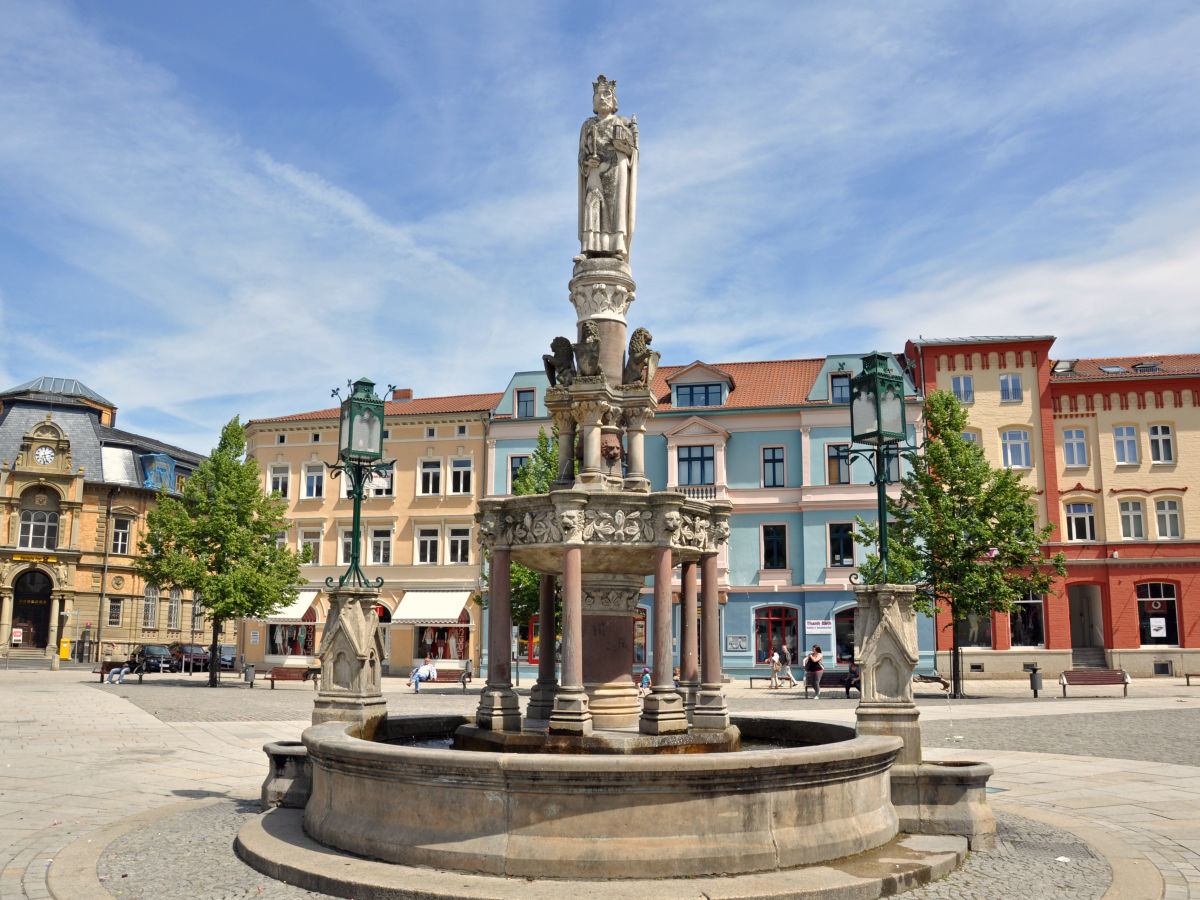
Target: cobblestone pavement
x,y
80,761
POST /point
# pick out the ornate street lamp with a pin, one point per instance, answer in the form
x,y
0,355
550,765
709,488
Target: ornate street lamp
x,y
877,419
360,457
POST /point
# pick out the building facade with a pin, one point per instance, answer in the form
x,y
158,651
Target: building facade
x,y
1105,444
418,528
74,494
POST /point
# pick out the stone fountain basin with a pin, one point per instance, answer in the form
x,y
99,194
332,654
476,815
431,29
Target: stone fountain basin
x,y
822,795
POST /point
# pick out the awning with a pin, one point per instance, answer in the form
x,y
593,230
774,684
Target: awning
x,y
296,611
431,608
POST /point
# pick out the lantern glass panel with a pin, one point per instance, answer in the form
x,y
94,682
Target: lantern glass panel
x,y
891,411
864,422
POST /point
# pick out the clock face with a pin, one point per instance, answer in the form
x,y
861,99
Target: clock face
x,y
44,455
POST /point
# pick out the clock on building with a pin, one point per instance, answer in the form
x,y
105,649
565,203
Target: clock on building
x,y
44,455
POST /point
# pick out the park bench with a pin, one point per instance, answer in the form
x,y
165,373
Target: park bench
x,y
105,667
293,673
1189,676
1089,677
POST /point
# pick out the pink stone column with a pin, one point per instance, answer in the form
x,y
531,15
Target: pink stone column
x,y
663,712
711,712
571,714
689,650
541,695
498,707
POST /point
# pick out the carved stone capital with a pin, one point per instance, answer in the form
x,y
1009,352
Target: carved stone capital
x,y
601,300
591,412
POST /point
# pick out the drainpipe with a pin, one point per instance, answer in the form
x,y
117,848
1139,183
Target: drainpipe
x,y
104,572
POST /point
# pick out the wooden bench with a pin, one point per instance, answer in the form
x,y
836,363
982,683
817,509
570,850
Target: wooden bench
x,y
1090,677
293,673
1189,676
104,668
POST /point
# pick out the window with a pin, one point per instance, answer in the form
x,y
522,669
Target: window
x,y
458,545
841,544
515,463
975,630
1026,624
773,627
1162,450
387,434
346,544
698,395
381,546
1015,445
839,387
312,540
383,482
460,476
279,481
462,429
525,404
843,636
1132,523
964,388
971,437
774,544
180,481
197,613
427,546
431,476
1156,613
1074,447
120,536
696,465
772,467
431,432
114,610
174,608
281,540
1125,443
1081,522
316,437
314,481
39,529
837,463
891,462
1167,513
281,438
150,607
1010,387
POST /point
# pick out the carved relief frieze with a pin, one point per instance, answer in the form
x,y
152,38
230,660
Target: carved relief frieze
x,y
611,600
532,527
618,526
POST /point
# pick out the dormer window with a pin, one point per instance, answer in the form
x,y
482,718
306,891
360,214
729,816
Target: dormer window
x,y
698,395
159,471
839,387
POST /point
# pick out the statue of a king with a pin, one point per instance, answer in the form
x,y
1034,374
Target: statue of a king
x,y
608,161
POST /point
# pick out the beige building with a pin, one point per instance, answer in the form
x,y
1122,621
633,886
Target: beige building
x,y
418,528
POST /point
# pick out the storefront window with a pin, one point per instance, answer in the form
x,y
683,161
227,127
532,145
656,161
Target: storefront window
x,y
639,637
447,641
773,627
292,640
1026,624
843,635
975,630
1156,613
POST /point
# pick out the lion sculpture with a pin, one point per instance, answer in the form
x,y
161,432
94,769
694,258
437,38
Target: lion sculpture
x,y
560,362
641,361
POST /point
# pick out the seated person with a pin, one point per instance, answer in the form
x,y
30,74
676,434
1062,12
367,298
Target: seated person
x,y
423,672
116,675
853,678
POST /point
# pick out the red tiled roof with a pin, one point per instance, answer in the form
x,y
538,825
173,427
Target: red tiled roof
x,y
783,382
1171,364
418,406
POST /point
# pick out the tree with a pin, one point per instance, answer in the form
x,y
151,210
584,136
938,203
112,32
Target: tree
x,y
534,477
218,539
964,531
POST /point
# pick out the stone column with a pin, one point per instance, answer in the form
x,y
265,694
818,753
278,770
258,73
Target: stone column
x,y
689,648
663,711
885,645
635,460
591,414
609,605
349,689
498,707
711,712
571,713
6,611
541,695
564,420
52,630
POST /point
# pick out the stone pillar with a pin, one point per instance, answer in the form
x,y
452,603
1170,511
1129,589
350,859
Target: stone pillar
x,y
349,689
6,612
663,711
52,630
689,648
571,713
559,406
885,645
541,695
591,415
635,459
601,290
609,605
498,707
711,712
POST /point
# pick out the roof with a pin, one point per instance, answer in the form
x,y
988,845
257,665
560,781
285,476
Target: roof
x,y
419,406
1112,367
67,387
142,444
982,339
784,382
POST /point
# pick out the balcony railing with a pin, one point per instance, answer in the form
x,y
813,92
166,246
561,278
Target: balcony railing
x,y
699,492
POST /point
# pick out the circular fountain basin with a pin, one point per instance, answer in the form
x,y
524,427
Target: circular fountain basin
x,y
817,793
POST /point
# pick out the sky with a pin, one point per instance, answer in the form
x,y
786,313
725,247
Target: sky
x,y
229,208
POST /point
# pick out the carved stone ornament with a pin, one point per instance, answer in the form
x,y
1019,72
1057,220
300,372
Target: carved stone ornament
x,y
608,165
118,582
610,600
601,300
886,638
618,526
560,362
720,532
540,527
587,351
641,362
571,521
485,534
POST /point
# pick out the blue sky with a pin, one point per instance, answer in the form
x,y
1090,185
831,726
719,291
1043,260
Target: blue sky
x,y
229,208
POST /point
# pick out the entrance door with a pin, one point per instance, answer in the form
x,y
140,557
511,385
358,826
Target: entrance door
x,y
1087,618
31,608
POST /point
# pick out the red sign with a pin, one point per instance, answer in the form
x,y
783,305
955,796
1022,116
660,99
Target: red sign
x,y
17,635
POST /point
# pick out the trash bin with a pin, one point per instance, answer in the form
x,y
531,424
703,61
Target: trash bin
x,y
1035,679
248,672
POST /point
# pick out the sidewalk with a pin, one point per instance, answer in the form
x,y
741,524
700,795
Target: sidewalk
x,y
79,758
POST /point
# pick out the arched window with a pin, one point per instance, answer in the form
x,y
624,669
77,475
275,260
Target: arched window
x,y
197,613
39,529
174,609
150,607
773,627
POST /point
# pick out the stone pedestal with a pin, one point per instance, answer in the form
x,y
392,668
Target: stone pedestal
x,y
351,651
945,798
609,604
885,646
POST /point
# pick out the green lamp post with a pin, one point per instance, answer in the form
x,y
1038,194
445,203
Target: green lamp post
x,y
877,419
360,458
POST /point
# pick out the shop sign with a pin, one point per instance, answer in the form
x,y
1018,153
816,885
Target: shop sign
x,y
34,557
18,635
818,626
1158,627
737,643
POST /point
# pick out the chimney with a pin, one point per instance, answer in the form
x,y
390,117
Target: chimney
x,y
402,395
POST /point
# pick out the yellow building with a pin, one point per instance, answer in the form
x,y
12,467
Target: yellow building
x,y
418,528
74,493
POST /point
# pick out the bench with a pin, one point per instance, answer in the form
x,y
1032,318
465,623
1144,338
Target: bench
x,y
104,668
1189,676
1090,677
293,673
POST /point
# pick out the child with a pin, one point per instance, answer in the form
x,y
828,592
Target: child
x,y
644,684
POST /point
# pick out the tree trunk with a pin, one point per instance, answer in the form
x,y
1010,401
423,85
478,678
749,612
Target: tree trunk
x,y
956,673
214,655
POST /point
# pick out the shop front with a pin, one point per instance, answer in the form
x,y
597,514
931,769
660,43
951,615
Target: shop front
x,y
433,624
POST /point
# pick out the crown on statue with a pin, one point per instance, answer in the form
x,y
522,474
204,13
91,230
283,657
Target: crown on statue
x,y
605,82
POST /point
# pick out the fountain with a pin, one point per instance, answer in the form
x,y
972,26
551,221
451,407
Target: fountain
x,y
590,783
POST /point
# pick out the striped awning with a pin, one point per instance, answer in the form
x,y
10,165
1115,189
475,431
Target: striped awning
x,y
431,608
296,611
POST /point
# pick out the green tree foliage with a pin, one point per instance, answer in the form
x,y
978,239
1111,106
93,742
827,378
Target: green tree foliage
x,y
534,477
964,531
218,540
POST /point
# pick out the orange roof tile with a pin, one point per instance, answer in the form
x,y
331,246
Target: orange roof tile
x,y
1166,365
418,406
782,382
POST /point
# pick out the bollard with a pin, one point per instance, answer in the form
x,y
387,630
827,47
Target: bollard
x,y
1035,679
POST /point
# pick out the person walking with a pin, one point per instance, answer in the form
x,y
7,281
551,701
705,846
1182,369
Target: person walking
x,y
785,660
813,667
775,666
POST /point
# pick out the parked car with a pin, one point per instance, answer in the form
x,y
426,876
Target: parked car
x,y
228,656
154,658
190,657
